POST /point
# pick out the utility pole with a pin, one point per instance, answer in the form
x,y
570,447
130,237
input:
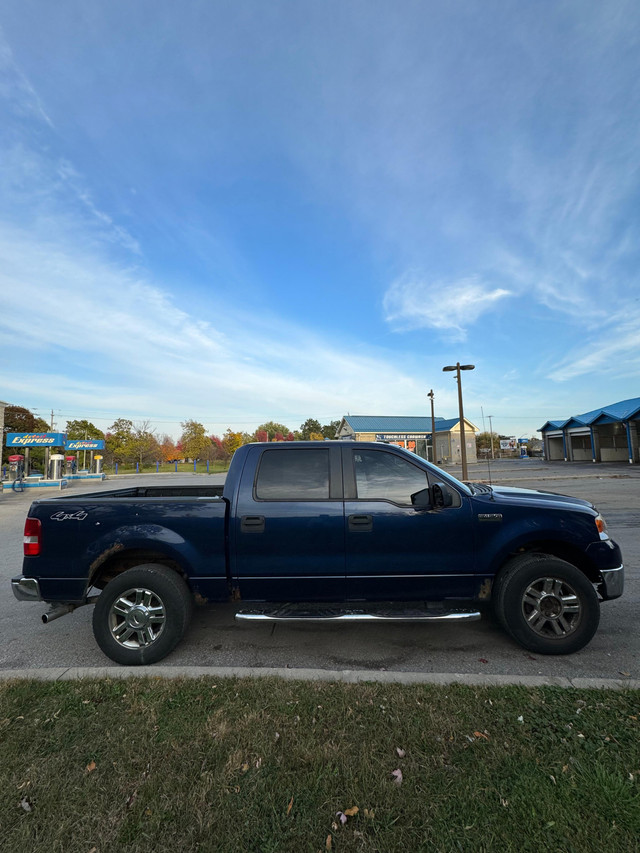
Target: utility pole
x,y
433,430
51,420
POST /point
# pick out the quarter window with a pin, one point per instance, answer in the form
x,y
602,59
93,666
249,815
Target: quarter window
x,y
293,475
382,475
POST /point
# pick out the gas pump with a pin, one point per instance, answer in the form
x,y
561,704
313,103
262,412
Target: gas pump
x,y
16,467
55,466
70,465
98,464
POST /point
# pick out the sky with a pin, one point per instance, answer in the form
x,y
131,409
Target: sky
x,y
236,212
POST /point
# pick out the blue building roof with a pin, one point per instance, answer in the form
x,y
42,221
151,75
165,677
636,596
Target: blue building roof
x,y
614,413
383,424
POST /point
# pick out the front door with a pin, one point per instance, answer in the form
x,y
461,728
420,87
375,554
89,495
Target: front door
x,y
394,550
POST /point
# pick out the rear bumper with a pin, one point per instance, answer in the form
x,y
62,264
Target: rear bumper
x,y
612,585
26,589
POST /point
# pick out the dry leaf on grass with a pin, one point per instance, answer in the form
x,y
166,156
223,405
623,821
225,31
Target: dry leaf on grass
x,y
290,806
91,766
397,776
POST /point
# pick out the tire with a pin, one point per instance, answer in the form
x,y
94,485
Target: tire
x,y
547,605
142,614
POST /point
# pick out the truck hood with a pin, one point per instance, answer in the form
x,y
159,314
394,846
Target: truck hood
x,y
512,494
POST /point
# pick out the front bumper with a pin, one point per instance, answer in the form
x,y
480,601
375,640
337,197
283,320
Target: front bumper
x,y
612,585
26,589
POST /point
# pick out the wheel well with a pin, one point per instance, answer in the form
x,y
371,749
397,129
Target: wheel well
x,y
123,560
564,551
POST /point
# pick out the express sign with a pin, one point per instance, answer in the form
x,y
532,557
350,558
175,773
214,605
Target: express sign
x,y
84,444
35,439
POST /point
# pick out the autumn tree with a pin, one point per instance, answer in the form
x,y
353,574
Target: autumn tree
x,y
271,428
119,441
194,440
231,441
168,449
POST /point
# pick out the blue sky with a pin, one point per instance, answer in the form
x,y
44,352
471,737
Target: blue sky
x,y
238,212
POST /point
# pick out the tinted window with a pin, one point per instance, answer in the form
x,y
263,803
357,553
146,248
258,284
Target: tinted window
x,y
385,475
293,475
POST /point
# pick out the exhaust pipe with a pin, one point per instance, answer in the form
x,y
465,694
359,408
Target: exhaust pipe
x,y
57,612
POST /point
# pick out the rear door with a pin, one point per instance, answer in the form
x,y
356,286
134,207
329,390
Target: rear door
x,y
394,550
287,527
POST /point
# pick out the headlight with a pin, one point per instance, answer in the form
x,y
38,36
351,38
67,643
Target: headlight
x,y
601,524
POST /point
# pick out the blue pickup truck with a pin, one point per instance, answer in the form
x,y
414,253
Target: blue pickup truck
x,y
331,531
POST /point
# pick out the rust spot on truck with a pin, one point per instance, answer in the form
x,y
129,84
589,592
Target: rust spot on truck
x,y
110,552
484,592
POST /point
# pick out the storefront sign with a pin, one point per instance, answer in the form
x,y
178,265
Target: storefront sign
x,y
401,436
84,444
35,439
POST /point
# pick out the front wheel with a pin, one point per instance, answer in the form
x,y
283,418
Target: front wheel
x,y
142,614
546,604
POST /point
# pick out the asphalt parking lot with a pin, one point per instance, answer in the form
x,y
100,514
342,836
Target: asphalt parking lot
x,y
215,639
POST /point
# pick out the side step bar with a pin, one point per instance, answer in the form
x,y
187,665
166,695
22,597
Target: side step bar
x,y
290,613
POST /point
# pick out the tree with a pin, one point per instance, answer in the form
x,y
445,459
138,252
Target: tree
x,y
168,449
261,435
271,428
83,429
231,441
311,425
195,442
483,443
119,441
330,430
316,436
19,419
145,446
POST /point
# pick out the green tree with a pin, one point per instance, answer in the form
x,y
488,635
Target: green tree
x,y
19,419
311,425
145,447
83,429
329,430
483,443
196,444
119,441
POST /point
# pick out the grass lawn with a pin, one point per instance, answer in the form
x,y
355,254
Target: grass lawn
x,y
268,765
215,467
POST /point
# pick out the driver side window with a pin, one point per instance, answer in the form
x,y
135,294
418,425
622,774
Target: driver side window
x,y
384,476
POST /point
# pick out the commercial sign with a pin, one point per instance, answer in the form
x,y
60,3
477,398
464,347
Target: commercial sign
x,y
401,436
84,444
35,439
508,444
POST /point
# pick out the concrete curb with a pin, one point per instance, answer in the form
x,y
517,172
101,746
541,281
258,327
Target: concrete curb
x,y
347,676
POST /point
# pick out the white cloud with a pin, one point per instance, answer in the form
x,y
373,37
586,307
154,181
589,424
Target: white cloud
x,y
414,302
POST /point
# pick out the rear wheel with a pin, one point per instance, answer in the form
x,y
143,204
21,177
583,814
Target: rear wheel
x,y
546,604
142,614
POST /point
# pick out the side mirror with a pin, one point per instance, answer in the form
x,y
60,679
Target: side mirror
x,y
421,499
442,496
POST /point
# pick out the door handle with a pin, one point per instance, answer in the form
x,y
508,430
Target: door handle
x,y
252,524
360,523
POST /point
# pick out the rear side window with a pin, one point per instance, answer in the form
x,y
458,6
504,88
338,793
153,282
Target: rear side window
x,y
382,475
293,475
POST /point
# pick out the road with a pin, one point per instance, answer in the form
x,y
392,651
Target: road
x,y
476,648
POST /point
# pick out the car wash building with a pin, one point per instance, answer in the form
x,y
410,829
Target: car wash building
x,y
609,434
413,433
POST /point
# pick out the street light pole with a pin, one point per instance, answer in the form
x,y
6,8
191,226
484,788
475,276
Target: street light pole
x,y
463,446
433,430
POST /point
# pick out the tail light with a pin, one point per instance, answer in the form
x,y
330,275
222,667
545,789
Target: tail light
x,y
32,537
